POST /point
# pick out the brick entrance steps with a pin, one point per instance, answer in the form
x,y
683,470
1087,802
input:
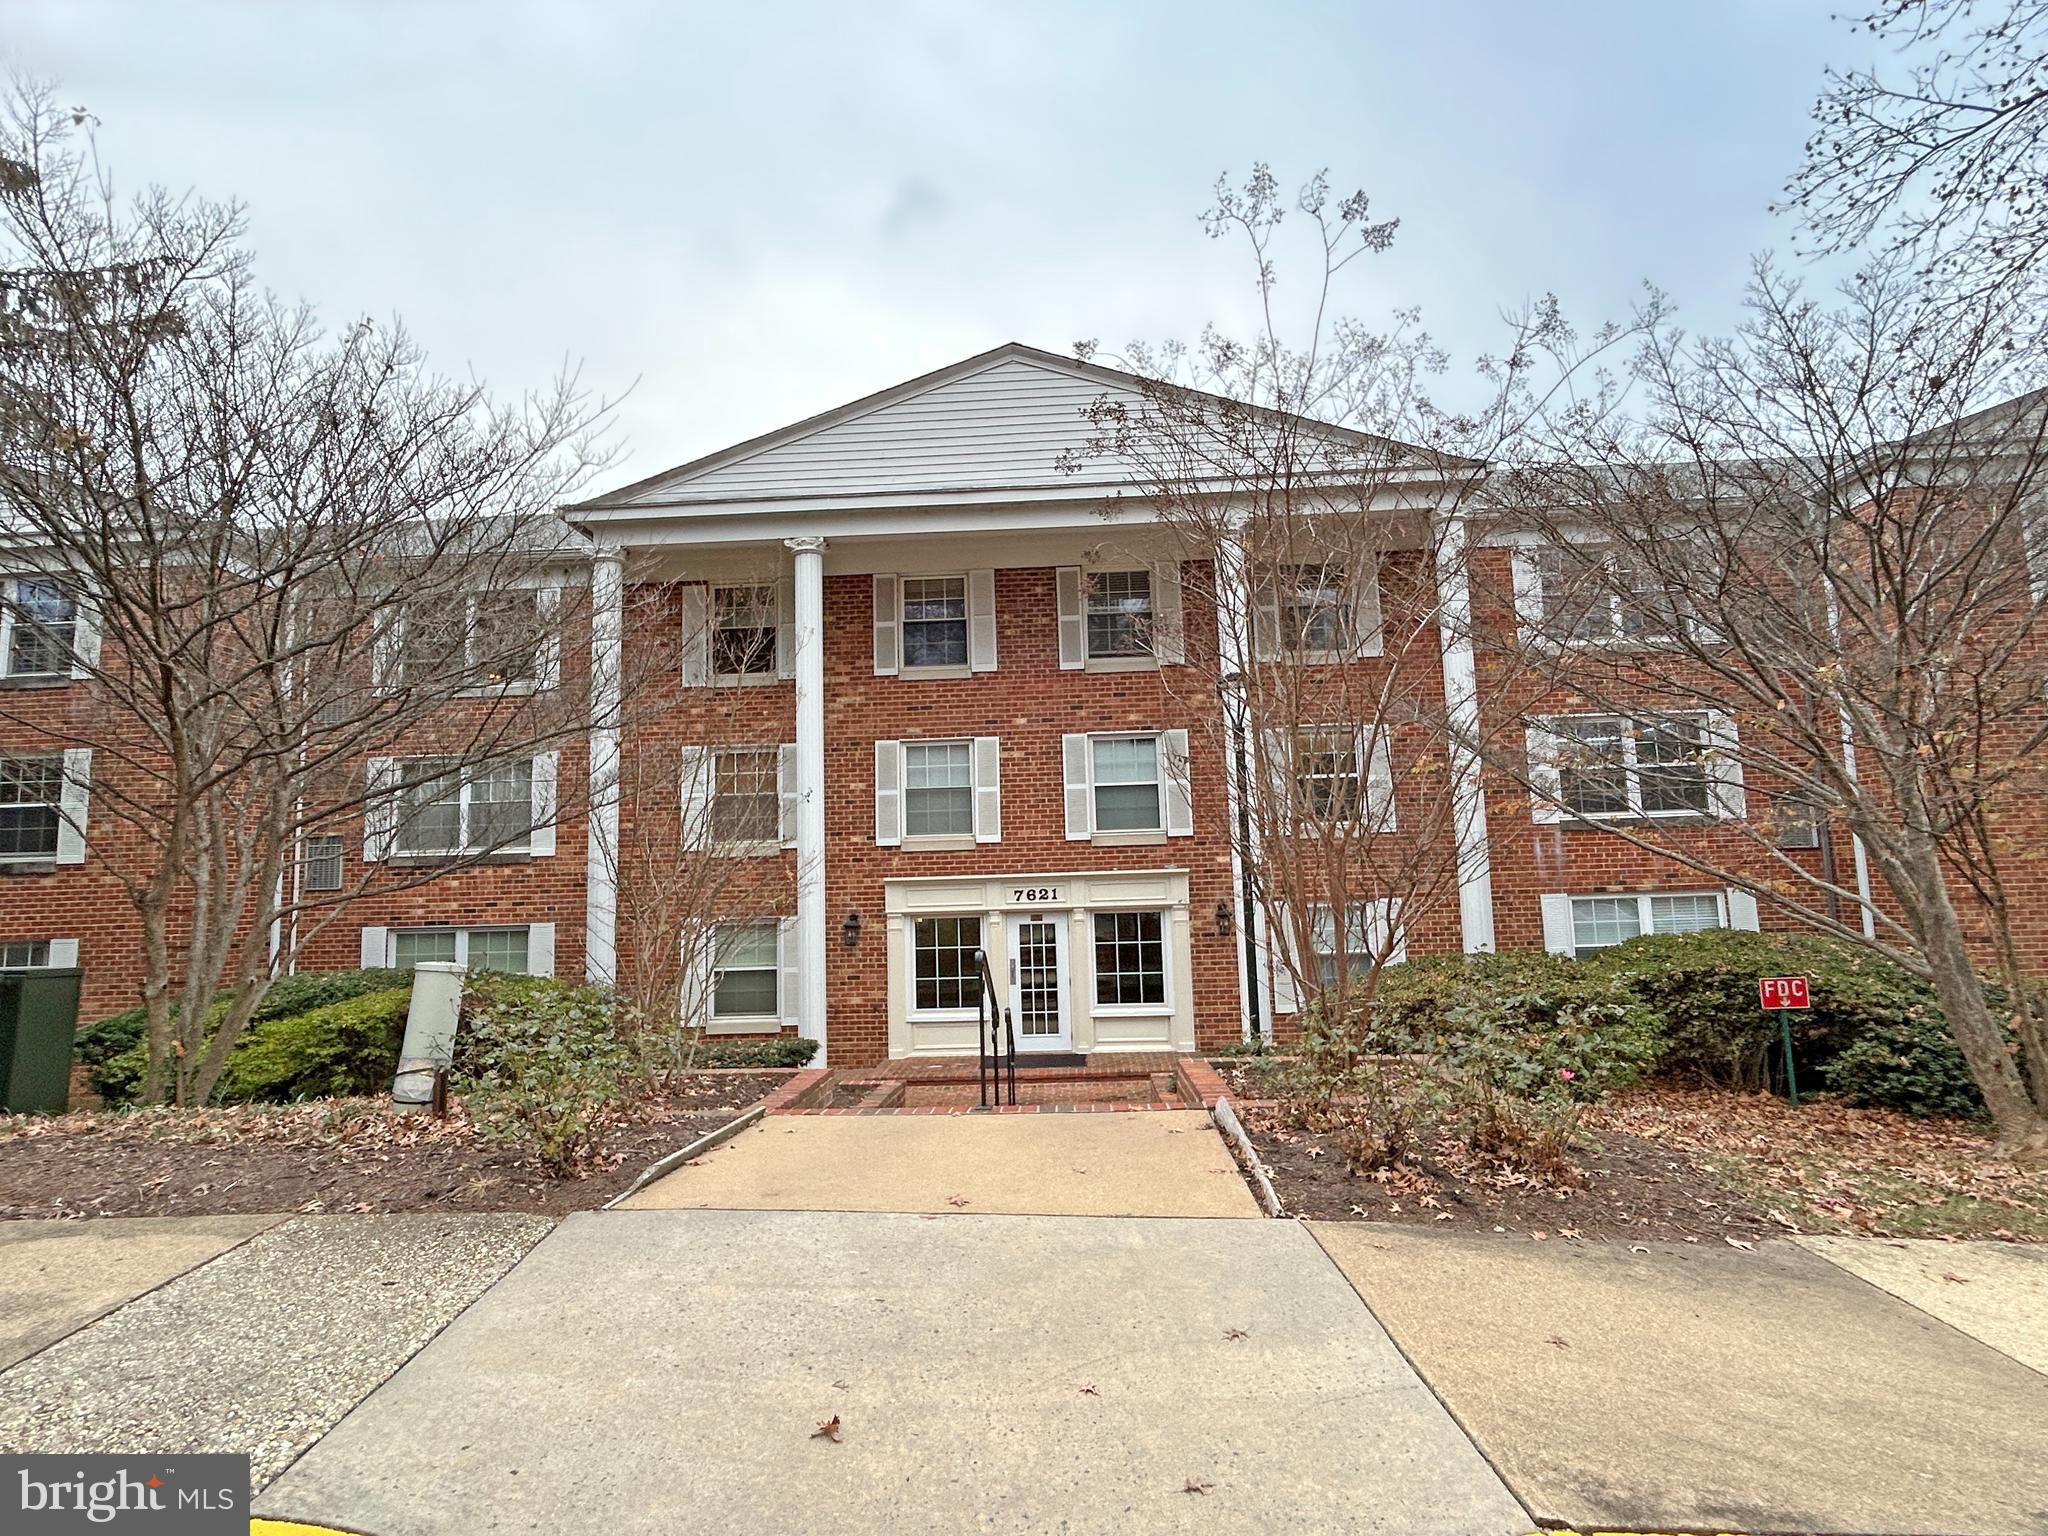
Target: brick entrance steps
x,y
1137,1080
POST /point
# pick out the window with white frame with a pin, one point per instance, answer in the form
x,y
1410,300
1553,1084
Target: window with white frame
x,y
1312,605
1329,776
320,867
934,621
31,802
944,976
745,971
1130,959
743,622
481,949
1797,821
1369,937
1608,766
499,639
1601,922
1604,595
449,808
1118,612
1124,772
745,794
938,789
38,627
24,955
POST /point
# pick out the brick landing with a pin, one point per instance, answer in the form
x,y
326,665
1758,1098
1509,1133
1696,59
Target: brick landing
x,y
1110,1082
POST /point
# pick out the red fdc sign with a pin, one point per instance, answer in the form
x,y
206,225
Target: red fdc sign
x,y
1784,992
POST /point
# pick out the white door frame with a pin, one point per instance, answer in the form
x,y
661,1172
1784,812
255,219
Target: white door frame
x,y
1057,924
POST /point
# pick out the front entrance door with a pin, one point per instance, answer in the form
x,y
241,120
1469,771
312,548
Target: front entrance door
x,y
1038,984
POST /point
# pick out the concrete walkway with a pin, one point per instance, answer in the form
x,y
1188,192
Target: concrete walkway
x,y
1673,1386
666,1371
1149,1163
1997,1293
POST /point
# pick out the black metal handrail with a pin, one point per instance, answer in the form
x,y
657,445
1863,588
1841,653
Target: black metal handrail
x,y
998,1037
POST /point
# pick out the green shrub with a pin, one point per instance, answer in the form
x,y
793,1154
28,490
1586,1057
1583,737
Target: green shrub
x,y
115,1051
346,1048
1911,1064
546,1065
773,1051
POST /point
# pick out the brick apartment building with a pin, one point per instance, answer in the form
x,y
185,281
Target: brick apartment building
x,y
947,677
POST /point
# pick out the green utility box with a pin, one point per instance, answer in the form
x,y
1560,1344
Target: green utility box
x,y
38,1022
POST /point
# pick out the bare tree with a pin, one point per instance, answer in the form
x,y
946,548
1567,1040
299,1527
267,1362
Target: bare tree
x,y
1794,582
314,592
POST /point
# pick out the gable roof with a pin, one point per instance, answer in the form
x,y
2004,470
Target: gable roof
x,y
997,421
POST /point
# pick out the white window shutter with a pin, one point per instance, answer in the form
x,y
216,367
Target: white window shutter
x,y
380,807
1545,783
981,621
700,953
1557,923
74,806
788,791
698,781
376,948
1173,771
1066,584
1367,637
888,627
695,662
540,949
785,627
1528,576
547,656
1265,613
1080,803
1284,801
541,841
1285,991
1389,932
988,789
1724,768
1377,771
85,636
1169,635
787,992
1742,912
387,632
888,794
63,954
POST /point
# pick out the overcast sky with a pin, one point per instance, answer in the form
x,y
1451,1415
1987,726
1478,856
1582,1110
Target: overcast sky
x,y
745,213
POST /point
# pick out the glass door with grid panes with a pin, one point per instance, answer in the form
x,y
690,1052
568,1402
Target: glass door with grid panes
x,y
1038,984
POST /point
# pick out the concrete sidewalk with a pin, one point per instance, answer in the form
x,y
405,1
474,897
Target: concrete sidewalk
x,y
1665,1386
1143,1163
666,1371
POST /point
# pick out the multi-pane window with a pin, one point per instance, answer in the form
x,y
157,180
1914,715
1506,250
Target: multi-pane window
x,y
481,949
1130,959
446,808
743,631
1311,607
938,789
1798,821
935,621
1119,614
744,971
502,643
321,867
1601,922
1608,766
24,955
1328,782
39,626
1125,774
1361,943
1602,595
745,795
943,971
31,794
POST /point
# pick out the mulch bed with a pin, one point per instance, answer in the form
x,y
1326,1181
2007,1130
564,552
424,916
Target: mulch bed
x,y
1676,1164
334,1155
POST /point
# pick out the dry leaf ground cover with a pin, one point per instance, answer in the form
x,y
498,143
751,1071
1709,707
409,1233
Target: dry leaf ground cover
x,y
330,1155
1677,1164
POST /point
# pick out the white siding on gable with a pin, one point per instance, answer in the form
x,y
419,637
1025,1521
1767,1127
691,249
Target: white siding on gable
x,y
1005,425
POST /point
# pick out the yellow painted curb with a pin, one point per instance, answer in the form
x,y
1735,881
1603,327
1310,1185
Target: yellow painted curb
x,y
293,1528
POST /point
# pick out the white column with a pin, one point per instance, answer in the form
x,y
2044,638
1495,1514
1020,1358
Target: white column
x,y
1233,635
601,882
808,630
1461,709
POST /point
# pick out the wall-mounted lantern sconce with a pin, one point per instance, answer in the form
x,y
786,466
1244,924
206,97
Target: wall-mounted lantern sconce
x,y
849,931
1223,920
